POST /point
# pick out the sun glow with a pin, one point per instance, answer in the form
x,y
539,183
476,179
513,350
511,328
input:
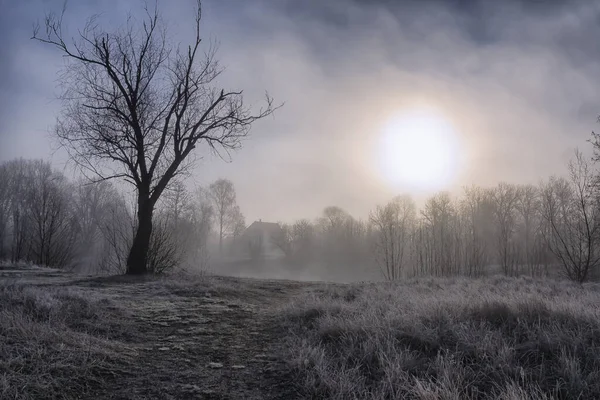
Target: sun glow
x,y
419,150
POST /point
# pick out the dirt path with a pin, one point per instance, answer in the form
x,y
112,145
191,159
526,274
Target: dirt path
x,y
211,347
213,341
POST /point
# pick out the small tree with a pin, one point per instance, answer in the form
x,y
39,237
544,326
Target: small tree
x,y
227,213
571,209
136,107
237,224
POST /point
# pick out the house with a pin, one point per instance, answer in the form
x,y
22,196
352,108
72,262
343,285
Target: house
x,y
259,240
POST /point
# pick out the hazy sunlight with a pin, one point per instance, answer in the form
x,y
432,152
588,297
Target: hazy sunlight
x,y
419,149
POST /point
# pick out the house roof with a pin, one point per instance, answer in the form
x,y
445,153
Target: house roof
x,y
271,228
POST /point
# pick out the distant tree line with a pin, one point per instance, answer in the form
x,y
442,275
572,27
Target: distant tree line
x,y
548,229
519,229
538,230
47,220
336,240
89,227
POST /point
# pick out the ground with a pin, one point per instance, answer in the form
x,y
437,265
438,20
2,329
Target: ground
x,y
210,337
170,339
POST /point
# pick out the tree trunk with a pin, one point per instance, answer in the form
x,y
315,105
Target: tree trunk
x,y
137,261
221,236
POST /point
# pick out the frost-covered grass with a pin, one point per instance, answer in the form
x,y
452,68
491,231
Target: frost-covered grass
x,y
56,341
495,338
64,336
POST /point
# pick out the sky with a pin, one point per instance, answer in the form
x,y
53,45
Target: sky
x,y
517,81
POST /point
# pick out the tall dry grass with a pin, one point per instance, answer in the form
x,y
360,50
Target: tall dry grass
x,y
496,338
57,342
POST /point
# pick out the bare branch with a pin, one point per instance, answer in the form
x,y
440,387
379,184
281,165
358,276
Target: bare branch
x,y
134,109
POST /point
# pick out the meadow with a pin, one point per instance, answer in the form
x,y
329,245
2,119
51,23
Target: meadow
x,y
492,338
65,336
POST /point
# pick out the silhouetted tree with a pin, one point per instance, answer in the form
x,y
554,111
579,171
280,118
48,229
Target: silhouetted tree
x,y
136,107
572,211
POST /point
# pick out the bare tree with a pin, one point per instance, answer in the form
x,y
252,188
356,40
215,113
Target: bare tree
x,y
476,211
46,209
528,207
437,235
36,213
184,222
90,207
333,218
54,222
222,194
4,208
237,224
166,251
295,240
393,225
302,240
135,107
20,224
571,209
331,230
201,220
176,199
117,228
505,197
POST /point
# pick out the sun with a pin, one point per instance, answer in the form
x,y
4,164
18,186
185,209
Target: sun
x,y
419,150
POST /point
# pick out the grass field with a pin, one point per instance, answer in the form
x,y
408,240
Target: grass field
x,y
496,338
67,337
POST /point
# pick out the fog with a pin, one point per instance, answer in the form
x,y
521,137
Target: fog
x,y
516,80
